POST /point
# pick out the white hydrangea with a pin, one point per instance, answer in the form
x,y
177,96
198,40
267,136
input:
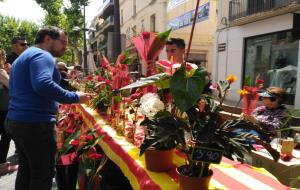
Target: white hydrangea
x,y
150,104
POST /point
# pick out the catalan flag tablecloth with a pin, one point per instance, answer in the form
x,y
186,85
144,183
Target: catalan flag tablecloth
x,y
227,175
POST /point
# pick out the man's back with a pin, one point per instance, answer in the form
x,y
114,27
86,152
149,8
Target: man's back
x,y
34,87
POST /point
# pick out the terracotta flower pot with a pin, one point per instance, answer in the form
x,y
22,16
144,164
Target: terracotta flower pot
x,y
159,160
193,183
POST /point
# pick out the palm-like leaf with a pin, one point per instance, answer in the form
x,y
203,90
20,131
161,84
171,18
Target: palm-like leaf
x,y
154,79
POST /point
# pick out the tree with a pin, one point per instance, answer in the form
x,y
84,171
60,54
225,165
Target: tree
x,y
11,27
54,15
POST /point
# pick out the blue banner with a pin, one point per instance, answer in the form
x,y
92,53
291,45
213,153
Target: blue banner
x,y
187,18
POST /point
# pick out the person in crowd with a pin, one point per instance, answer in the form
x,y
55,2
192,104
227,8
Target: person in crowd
x,y
5,167
64,82
175,49
18,45
34,94
271,115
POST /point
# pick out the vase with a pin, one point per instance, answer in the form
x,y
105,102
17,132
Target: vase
x,y
86,183
66,176
159,160
193,183
249,101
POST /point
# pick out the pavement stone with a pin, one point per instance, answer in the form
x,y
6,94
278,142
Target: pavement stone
x,y
7,182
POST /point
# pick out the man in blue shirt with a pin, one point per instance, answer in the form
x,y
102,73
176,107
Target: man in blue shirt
x,y
34,95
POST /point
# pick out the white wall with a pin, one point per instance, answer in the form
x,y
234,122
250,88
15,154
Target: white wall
x,y
231,60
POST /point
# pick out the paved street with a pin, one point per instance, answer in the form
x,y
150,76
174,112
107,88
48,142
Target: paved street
x,y
7,182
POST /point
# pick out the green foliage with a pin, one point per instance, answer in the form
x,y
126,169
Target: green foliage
x,y
158,80
187,90
12,27
164,132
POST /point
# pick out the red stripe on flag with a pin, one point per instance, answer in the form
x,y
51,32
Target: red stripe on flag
x,y
144,180
228,181
257,175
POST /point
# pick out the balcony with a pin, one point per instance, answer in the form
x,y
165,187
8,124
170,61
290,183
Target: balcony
x,y
106,9
245,11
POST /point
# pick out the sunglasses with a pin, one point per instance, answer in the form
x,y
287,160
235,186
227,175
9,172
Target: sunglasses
x,y
23,44
272,99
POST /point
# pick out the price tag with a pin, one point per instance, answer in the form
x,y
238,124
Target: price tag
x,y
205,154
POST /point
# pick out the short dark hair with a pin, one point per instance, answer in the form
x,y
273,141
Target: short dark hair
x,y
52,31
17,39
176,41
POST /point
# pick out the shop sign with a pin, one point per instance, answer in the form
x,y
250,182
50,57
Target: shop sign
x,y
187,18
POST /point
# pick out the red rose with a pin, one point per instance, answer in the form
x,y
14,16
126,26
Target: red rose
x,y
90,77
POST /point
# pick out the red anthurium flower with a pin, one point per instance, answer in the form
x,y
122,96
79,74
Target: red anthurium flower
x,y
107,81
100,78
127,100
89,137
94,156
74,142
90,77
136,95
260,81
146,35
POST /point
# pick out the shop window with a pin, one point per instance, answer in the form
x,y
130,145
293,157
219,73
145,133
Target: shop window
x,y
275,58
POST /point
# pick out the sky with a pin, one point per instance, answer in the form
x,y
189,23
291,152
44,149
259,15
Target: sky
x,y
30,10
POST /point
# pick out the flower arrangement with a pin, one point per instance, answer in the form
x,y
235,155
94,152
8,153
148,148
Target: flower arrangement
x,y
249,94
68,132
92,161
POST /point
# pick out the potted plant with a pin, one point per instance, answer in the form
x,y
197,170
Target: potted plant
x,y
163,132
210,137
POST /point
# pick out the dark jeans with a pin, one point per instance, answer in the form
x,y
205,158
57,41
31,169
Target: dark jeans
x,y
5,138
36,148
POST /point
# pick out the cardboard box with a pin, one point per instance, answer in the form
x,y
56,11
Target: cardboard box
x,y
286,172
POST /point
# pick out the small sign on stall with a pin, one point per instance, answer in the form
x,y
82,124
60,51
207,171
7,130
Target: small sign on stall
x,y
205,154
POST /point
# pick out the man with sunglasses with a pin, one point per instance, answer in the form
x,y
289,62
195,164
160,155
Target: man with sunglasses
x,y
34,95
18,45
272,113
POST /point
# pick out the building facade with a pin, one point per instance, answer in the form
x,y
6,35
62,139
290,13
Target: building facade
x,y
259,38
137,16
180,18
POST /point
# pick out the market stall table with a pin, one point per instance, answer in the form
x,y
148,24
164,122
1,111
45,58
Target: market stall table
x,y
227,175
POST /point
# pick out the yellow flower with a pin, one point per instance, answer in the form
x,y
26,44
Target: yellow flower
x,y
243,92
231,78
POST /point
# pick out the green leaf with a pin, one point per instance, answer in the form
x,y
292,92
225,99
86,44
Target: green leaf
x,y
247,81
223,86
154,79
186,91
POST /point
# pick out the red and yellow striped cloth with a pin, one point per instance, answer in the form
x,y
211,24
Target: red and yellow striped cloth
x,y
227,175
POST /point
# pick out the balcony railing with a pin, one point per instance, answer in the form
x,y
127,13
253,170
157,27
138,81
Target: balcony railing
x,y
244,8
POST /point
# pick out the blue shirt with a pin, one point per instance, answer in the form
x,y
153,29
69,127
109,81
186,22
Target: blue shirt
x,y
34,88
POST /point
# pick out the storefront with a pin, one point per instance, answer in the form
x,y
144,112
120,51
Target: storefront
x,y
274,57
268,48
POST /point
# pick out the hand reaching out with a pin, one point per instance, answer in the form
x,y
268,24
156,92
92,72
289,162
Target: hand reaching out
x,y
84,97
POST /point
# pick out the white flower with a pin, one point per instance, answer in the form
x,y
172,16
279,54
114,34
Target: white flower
x,y
151,104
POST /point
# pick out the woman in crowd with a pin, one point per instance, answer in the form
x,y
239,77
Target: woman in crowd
x,y
271,115
5,167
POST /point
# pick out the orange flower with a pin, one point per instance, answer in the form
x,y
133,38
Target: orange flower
x,y
243,92
231,78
